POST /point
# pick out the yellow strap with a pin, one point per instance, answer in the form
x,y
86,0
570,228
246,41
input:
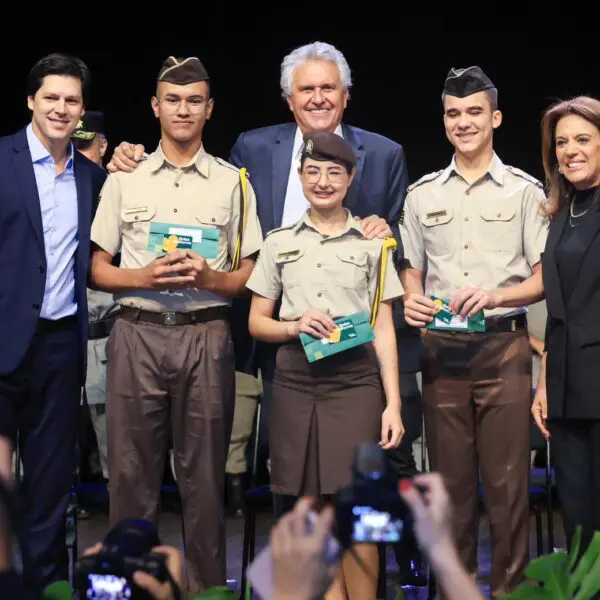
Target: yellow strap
x,y
235,261
388,243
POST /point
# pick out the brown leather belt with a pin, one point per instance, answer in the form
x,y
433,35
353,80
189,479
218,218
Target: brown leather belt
x,y
504,324
98,330
171,318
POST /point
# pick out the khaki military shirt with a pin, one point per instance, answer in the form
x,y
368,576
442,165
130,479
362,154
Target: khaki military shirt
x,y
335,274
205,193
489,233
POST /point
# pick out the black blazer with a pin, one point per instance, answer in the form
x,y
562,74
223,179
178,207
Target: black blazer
x,y
573,329
22,255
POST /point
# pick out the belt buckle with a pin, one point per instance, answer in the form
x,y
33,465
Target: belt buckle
x,y
169,318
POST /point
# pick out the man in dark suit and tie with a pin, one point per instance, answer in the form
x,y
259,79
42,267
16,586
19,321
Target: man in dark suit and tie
x,y
47,195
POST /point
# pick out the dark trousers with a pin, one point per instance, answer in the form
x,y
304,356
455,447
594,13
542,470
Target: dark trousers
x,y
177,380
576,451
477,405
40,402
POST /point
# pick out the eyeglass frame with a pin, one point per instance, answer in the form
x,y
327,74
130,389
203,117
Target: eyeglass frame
x,y
316,176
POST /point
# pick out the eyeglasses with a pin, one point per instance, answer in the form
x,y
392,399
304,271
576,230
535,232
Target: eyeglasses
x,y
194,106
312,175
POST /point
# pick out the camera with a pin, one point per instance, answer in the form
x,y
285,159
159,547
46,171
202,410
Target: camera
x,y
126,549
370,510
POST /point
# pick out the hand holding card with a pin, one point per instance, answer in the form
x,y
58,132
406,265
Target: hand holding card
x,y
166,272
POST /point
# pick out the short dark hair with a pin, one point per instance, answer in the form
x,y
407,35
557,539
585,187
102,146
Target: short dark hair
x,y
59,64
492,94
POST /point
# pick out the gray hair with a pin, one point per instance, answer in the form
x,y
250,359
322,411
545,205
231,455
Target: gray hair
x,y
314,51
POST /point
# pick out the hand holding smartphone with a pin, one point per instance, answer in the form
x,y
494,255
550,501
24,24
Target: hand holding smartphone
x,y
261,573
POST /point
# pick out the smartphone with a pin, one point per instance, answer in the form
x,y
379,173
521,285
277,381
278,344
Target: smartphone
x,y
260,572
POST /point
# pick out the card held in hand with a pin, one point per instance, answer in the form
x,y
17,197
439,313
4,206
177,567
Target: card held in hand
x,y
165,237
446,320
351,331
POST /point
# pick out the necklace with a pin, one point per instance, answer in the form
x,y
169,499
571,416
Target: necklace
x,y
572,215
580,214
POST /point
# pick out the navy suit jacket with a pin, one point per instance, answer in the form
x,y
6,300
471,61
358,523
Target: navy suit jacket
x,y
378,188
22,255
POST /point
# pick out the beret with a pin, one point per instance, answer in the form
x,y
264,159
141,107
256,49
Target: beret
x,y
320,145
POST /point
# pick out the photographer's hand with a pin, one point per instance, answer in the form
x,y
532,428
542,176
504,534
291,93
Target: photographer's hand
x,y
432,513
299,567
160,590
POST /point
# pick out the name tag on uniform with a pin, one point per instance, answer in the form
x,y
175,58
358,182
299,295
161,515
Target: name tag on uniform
x,y
283,256
446,320
350,332
437,213
165,237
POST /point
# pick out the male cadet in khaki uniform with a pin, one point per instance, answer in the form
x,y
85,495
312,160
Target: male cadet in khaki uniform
x,y
90,139
170,354
476,222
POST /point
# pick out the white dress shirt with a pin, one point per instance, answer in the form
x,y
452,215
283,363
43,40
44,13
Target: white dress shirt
x,y
295,203
58,205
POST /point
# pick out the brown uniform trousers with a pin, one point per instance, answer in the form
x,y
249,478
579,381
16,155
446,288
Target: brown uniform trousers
x,y
180,376
476,402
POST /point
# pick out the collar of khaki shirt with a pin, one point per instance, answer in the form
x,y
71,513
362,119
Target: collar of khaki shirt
x,y
351,225
495,170
157,160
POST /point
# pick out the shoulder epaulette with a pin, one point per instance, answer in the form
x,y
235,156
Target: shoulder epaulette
x,y
228,165
280,229
524,175
424,179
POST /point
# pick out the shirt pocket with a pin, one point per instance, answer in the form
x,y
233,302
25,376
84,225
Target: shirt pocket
x,y
439,230
217,217
349,269
136,224
291,263
498,229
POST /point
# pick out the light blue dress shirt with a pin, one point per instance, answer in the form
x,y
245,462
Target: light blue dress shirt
x,y
58,204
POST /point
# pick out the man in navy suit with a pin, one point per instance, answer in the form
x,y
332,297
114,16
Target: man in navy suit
x,y
47,196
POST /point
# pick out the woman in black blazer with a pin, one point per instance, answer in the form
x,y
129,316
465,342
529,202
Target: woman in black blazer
x,y
566,406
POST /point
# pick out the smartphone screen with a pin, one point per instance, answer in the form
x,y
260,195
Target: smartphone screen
x,y
370,525
107,587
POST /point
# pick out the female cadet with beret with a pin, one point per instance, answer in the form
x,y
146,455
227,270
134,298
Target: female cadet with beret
x,y
323,269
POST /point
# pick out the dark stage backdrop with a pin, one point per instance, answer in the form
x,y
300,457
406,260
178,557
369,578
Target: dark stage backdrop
x,y
397,77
